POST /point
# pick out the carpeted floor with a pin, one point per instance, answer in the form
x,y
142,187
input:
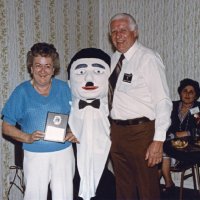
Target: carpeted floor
x,y
188,194
106,190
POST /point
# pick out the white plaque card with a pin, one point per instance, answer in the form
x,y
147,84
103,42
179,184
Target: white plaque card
x,y
56,125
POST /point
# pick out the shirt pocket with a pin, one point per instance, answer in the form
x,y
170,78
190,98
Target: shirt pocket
x,y
125,86
137,82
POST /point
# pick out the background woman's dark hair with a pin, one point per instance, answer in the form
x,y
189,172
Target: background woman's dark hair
x,y
44,50
185,82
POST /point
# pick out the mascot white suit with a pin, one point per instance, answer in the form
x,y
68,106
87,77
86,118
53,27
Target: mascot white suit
x,y
88,74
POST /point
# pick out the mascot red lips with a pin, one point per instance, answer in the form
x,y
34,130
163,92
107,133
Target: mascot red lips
x,y
90,87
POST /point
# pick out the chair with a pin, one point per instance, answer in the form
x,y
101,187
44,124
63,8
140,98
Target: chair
x,y
182,168
18,180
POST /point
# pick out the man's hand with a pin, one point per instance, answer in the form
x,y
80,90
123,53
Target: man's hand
x,y
71,137
154,153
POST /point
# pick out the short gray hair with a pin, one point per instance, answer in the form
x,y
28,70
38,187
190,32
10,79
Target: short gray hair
x,y
132,22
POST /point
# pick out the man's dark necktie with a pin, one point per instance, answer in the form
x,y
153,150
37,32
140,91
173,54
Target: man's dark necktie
x,y
113,79
95,104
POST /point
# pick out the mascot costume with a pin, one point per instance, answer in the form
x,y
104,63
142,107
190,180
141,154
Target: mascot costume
x,y
88,74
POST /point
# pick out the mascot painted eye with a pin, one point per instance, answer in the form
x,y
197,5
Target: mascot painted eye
x,y
99,71
88,74
80,71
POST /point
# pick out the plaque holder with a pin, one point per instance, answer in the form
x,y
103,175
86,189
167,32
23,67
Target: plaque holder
x,y
56,126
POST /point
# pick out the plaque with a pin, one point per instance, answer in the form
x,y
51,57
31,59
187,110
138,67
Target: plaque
x,y
56,125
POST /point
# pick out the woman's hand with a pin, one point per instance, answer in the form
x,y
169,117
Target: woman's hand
x,y
35,136
181,134
19,135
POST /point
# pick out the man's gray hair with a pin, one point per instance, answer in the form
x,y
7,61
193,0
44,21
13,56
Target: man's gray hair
x,y
132,22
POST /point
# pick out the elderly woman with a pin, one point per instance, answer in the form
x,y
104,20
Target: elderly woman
x,y
183,121
44,161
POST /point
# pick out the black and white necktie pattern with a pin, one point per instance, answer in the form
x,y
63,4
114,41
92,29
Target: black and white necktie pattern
x,y
113,79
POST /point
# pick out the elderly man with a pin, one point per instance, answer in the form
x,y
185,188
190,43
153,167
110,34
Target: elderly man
x,y
140,112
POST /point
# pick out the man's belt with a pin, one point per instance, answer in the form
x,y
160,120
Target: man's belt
x,y
135,121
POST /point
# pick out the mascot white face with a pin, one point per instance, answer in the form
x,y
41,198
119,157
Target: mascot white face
x,y
89,78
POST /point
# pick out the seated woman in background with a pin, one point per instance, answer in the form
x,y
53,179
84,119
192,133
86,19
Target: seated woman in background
x,y
183,122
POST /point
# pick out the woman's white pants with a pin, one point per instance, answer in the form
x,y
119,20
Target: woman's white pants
x,y
56,168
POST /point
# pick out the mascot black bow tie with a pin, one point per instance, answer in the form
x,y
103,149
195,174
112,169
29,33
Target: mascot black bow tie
x,y
95,104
